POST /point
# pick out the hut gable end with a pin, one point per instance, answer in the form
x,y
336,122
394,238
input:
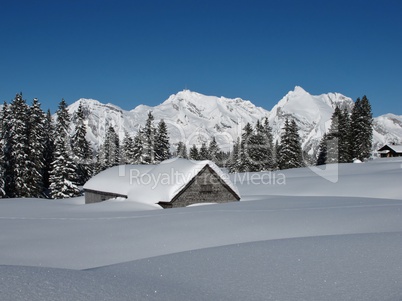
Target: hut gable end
x,y
206,187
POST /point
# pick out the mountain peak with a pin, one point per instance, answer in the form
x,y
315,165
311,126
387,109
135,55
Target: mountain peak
x,y
299,90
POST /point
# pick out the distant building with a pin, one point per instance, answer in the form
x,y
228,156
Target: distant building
x,y
390,150
170,184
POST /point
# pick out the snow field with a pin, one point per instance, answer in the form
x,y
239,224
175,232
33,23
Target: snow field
x,y
308,239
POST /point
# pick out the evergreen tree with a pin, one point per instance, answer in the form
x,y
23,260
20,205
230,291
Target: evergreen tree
x,y
244,159
194,154
36,149
128,150
149,140
62,174
213,151
181,150
291,155
322,151
81,149
257,149
162,145
19,147
333,138
111,149
270,162
234,163
203,153
345,155
361,129
48,149
7,141
138,150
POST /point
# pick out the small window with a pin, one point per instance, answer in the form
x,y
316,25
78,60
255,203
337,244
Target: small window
x,y
206,188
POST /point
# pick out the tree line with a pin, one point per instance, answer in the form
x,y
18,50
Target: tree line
x,y
39,157
350,135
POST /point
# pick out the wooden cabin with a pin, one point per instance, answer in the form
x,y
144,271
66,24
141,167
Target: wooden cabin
x,y
390,150
170,184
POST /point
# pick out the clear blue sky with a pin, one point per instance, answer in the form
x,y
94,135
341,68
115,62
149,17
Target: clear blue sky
x,y
133,52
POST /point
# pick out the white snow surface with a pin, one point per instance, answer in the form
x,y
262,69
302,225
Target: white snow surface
x,y
295,236
194,118
151,184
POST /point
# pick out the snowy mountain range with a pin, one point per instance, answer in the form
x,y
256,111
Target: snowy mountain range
x,y
194,118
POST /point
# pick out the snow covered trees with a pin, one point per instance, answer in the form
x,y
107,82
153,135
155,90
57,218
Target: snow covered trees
x,y
62,175
149,146
290,151
81,149
361,129
255,151
349,137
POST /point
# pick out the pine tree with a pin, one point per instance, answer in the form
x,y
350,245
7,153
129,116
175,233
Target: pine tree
x,y
245,163
81,149
138,150
36,149
270,162
48,149
257,149
234,163
128,150
7,141
62,174
149,140
203,154
194,154
19,147
213,151
2,169
162,145
111,149
361,129
181,151
291,154
333,138
322,151
345,155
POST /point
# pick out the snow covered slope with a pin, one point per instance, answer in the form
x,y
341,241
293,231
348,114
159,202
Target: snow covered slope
x,y
303,239
194,118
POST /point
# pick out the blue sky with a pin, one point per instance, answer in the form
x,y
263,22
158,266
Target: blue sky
x,y
133,52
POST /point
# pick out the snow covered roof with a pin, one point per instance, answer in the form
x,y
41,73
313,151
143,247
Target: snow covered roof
x,y
395,148
152,183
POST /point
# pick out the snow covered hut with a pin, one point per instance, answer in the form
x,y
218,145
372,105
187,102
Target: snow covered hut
x,y
390,150
170,184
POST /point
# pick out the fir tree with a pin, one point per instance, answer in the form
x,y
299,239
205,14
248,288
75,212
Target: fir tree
x,y
234,163
245,163
345,155
361,129
162,145
138,150
62,174
181,151
36,149
81,149
322,151
257,149
203,154
7,141
111,149
128,150
270,162
291,155
149,140
19,147
194,154
48,149
214,151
